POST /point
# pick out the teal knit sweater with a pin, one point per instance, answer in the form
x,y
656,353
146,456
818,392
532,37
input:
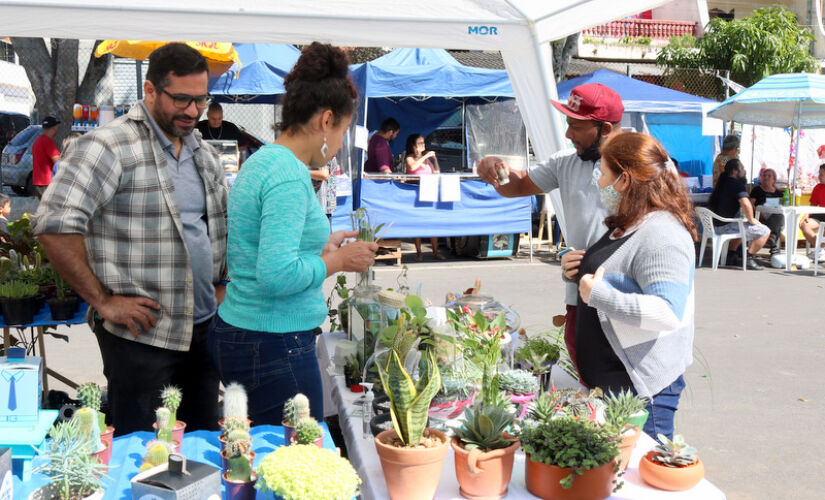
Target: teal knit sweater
x,y
277,230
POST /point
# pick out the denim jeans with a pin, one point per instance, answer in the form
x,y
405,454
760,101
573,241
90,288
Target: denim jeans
x,y
272,367
662,409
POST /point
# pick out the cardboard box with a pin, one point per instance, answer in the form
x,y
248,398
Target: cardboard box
x,y
169,482
20,389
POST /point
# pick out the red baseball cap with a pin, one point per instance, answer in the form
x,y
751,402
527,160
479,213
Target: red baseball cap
x,y
593,101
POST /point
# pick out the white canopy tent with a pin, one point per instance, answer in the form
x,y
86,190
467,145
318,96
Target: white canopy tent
x,y
520,29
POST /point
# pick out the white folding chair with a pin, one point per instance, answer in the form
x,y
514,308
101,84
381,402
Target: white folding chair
x,y
719,242
818,246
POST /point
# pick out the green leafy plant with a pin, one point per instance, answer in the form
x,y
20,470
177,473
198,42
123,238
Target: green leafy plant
x,y
296,409
353,367
620,406
570,442
538,354
480,341
308,431
484,427
17,241
339,315
73,471
171,397
518,382
89,395
18,289
62,289
306,471
367,230
565,402
674,453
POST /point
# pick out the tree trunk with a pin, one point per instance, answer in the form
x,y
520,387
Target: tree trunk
x,y
562,51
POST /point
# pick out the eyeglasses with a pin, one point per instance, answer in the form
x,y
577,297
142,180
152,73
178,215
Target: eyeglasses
x,y
182,101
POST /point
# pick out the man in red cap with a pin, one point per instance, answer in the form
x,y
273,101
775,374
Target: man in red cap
x,y
594,113
44,155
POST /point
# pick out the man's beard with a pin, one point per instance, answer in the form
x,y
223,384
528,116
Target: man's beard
x,y
592,153
168,126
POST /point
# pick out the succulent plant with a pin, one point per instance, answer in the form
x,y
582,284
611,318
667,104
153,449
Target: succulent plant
x,y
674,453
307,431
239,466
306,471
18,289
157,453
86,419
538,354
162,415
235,402
171,397
559,402
295,409
74,473
484,428
518,382
621,406
232,424
89,395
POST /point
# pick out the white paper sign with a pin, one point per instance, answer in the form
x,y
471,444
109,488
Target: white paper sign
x,y
428,188
450,188
711,126
361,137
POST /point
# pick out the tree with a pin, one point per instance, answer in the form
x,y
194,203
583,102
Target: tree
x,y
768,41
562,51
54,75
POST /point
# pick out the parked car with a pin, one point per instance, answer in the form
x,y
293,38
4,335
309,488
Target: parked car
x,y
16,162
10,125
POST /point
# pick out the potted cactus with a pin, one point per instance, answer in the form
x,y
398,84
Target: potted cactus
x,y
87,425
308,432
18,300
672,465
304,471
74,473
352,372
296,409
157,453
484,452
618,414
238,477
171,397
90,396
163,427
235,408
411,455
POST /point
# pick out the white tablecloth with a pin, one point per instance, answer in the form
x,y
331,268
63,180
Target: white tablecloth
x,y
362,453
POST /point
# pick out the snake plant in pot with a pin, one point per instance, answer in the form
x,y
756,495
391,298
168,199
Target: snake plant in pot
x,y
411,455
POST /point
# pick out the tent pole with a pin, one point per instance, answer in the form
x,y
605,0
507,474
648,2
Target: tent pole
x,y
795,158
527,167
356,185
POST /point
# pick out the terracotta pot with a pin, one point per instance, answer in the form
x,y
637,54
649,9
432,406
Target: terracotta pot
x,y
177,432
627,445
670,478
543,481
236,490
106,437
289,431
483,475
103,455
225,459
411,473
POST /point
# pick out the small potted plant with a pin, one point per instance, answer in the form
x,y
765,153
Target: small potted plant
x,y
87,424
296,409
570,458
567,402
619,410
352,372
672,465
308,432
64,304
18,300
484,452
239,479
235,412
163,427
302,472
157,453
74,472
171,397
538,355
89,395
521,386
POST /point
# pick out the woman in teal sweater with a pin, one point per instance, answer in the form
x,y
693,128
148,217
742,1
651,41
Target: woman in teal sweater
x,y
280,250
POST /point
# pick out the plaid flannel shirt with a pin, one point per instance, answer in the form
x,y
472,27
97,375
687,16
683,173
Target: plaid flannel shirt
x,y
114,188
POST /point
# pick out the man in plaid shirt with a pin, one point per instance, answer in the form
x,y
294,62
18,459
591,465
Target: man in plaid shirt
x,y
135,221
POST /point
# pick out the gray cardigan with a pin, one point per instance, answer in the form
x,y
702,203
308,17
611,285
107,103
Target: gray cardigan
x,y
645,302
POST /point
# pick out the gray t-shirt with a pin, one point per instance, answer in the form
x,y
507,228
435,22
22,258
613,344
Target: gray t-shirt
x,y
191,199
583,212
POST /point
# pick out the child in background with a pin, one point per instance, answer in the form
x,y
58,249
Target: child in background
x,y
5,210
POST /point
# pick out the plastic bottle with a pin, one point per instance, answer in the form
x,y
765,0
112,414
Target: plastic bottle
x,y
785,197
367,410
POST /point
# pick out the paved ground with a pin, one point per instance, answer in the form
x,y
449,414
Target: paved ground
x,y
752,406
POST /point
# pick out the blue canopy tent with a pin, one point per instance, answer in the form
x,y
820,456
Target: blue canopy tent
x,y
260,77
673,117
422,88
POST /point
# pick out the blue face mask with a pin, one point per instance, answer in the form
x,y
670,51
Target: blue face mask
x,y
610,198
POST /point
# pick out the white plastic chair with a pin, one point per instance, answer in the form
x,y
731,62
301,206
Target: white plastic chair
x,y
817,251
720,242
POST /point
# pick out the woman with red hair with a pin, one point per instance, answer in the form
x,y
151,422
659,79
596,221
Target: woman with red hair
x,y
634,320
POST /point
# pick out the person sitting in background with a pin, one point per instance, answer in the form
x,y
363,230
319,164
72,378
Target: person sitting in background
x,y
730,151
759,194
419,163
216,128
810,224
728,198
379,153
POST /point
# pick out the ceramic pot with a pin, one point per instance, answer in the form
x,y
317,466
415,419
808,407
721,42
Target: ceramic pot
x,y
411,473
483,475
236,490
103,456
670,478
627,445
543,481
49,492
62,310
106,437
289,431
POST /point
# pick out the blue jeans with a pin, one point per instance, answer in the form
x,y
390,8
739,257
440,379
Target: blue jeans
x,y
272,367
662,409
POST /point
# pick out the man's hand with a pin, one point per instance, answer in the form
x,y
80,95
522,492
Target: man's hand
x,y
487,170
129,311
587,282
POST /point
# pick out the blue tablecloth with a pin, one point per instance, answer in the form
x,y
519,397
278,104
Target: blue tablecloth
x,y
199,446
44,318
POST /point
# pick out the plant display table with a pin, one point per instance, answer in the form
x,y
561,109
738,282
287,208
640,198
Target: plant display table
x,y
362,454
200,446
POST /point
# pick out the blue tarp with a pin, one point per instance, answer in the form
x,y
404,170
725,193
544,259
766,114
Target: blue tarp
x,y
673,117
480,211
260,79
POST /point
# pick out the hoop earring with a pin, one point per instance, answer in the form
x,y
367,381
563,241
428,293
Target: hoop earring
x,y
325,148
